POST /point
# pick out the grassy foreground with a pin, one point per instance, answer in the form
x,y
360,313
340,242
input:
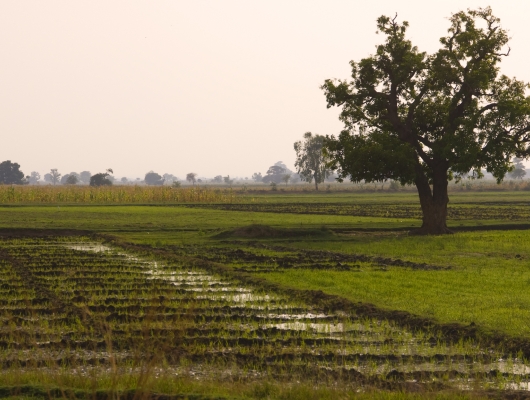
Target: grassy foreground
x,y
478,277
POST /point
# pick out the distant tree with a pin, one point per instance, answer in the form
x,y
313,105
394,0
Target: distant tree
x,y
394,185
34,178
519,169
217,179
286,178
152,178
310,160
64,179
257,177
191,177
10,174
85,177
71,180
227,180
275,170
124,180
101,179
295,178
169,178
53,177
331,177
275,174
282,165
176,184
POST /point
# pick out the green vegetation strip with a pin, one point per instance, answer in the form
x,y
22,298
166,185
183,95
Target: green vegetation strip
x,y
455,213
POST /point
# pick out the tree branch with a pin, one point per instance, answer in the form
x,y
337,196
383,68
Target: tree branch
x,y
488,107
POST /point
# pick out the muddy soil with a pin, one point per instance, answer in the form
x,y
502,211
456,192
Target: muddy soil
x,y
254,256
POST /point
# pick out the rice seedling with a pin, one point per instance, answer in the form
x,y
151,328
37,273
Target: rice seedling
x,y
126,315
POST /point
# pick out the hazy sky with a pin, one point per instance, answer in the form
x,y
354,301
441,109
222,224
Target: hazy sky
x,y
214,87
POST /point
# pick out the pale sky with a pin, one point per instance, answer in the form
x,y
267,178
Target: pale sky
x,y
213,87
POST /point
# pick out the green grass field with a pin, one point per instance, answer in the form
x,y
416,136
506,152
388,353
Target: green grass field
x,y
486,284
479,276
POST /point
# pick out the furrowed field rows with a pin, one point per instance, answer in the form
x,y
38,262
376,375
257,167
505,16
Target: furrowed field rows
x,y
496,211
249,256
76,303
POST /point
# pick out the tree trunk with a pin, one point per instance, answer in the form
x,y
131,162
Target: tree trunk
x,y
316,183
433,202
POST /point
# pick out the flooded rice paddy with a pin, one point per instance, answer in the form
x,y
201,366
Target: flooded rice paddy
x,y
74,303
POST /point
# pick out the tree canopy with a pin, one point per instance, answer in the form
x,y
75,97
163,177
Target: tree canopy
x,y
275,173
169,178
10,173
85,177
191,177
152,178
428,118
34,178
310,159
53,177
257,177
101,179
70,179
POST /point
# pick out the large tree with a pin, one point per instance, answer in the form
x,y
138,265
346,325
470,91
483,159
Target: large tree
x,y
310,160
10,173
426,119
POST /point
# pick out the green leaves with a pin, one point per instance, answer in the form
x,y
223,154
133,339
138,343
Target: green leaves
x,y
451,108
10,173
372,158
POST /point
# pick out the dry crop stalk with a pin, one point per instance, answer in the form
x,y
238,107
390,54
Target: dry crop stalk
x,y
112,194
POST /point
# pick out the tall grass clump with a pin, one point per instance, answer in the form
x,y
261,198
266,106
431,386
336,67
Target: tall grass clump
x,y
112,195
